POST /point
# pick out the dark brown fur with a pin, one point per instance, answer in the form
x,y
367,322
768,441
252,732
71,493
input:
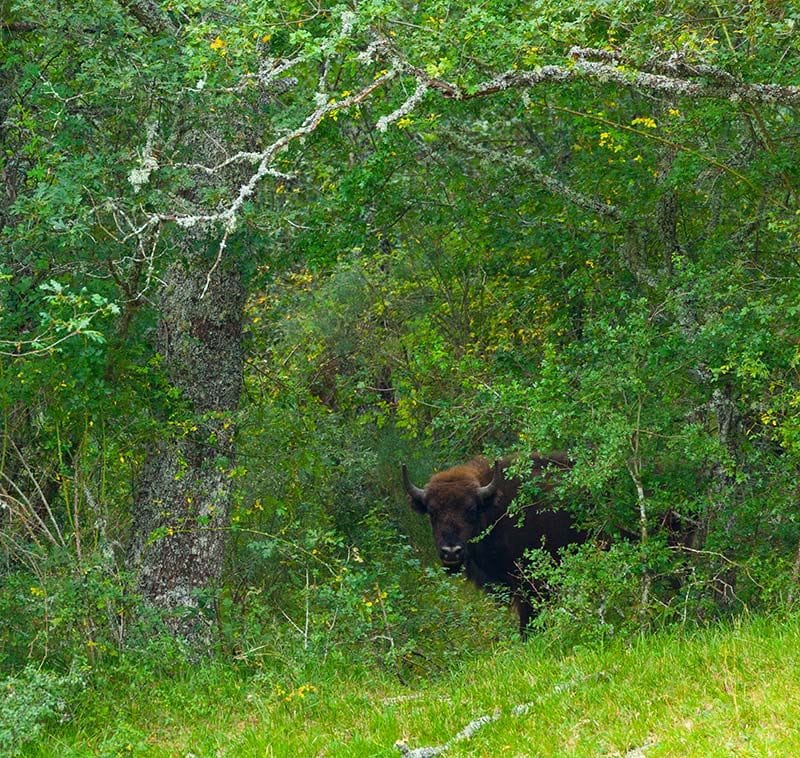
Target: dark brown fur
x,y
458,514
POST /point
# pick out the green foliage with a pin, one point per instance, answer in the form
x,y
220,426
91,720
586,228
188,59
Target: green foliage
x,y
32,700
597,591
60,612
341,605
576,265
729,689
320,562
67,315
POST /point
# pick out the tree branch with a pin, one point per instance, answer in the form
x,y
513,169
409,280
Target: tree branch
x,y
19,26
610,69
149,15
548,181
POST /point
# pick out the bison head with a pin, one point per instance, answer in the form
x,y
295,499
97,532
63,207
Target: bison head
x,y
454,500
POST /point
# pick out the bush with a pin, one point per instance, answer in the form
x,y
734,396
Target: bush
x,y
372,602
30,700
62,610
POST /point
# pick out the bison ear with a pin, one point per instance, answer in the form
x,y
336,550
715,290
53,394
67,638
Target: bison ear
x,y
415,494
418,504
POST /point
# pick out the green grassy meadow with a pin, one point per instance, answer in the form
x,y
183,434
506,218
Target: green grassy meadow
x,y
713,692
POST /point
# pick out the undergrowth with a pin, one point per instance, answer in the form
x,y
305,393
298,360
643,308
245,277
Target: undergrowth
x,y
709,692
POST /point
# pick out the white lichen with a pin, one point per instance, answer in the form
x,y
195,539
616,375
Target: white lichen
x,y
404,109
348,22
466,733
140,176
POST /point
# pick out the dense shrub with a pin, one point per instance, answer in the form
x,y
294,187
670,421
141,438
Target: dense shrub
x,y
32,699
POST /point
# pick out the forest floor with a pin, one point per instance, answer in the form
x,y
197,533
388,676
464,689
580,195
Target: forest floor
x,y
722,691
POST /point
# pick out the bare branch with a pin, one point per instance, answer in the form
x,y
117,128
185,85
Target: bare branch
x,y
222,245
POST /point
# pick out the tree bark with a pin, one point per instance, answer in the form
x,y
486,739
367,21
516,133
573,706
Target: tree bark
x,y
182,504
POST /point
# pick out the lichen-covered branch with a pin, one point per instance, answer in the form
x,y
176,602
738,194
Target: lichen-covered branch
x,y
405,108
674,77
228,216
468,731
675,64
695,81
264,159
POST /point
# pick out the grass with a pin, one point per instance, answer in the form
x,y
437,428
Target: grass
x,y
714,692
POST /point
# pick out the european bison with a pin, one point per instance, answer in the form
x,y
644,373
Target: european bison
x,y
467,501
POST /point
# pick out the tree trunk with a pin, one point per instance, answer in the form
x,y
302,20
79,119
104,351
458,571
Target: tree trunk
x,y
728,421
182,504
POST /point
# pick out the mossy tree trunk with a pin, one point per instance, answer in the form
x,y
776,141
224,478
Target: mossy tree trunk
x,y
182,504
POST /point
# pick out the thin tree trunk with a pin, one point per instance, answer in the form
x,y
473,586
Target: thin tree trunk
x,y
724,409
635,471
182,504
795,576
720,409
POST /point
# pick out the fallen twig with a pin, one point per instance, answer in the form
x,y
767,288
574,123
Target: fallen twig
x,y
464,734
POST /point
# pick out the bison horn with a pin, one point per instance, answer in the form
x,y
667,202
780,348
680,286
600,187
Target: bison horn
x,y
488,490
414,491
